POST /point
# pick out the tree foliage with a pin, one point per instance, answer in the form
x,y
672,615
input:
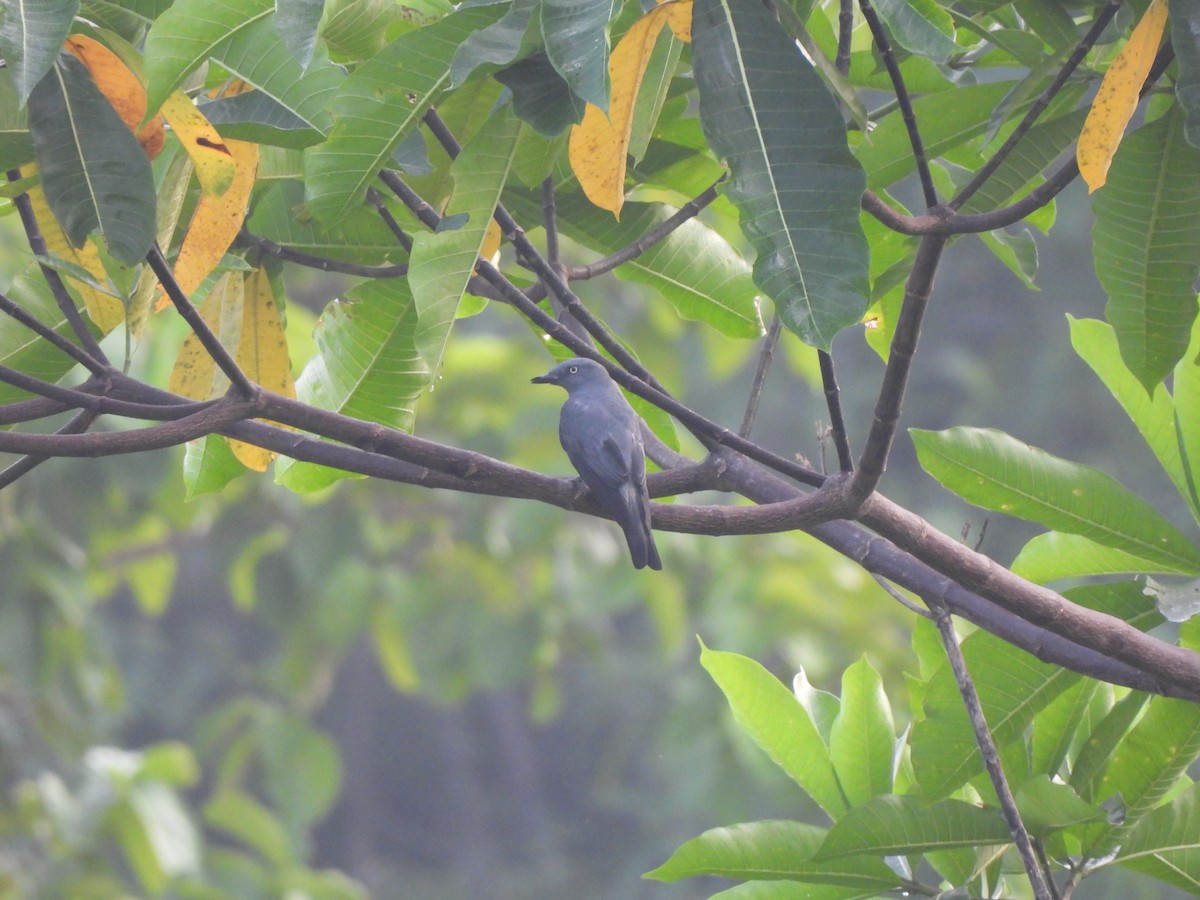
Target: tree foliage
x,y
776,173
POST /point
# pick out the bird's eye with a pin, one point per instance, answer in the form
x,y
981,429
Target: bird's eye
x,y
574,369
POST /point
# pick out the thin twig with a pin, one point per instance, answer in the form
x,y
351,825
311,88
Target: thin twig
x,y
900,598
376,200
833,402
211,343
662,230
906,109
550,222
324,264
41,329
1039,105
766,353
987,748
37,243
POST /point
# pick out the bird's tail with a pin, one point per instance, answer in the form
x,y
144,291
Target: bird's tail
x,y
640,538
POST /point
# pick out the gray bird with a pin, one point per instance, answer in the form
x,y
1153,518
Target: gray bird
x,y
602,437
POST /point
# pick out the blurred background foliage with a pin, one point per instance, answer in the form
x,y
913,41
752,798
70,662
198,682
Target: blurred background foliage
x,y
383,691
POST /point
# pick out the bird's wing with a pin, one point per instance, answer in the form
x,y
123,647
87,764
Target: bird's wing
x,y
597,441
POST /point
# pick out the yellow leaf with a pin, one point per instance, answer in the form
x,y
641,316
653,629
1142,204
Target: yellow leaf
x,y
1117,97
105,310
262,353
216,222
122,87
599,144
213,159
195,375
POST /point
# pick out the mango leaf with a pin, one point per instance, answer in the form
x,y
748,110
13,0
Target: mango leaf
x,y
253,116
996,471
576,36
1055,726
297,21
362,237
777,849
1152,413
1147,764
366,366
256,55
1146,242
497,44
1047,806
599,145
378,106
189,33
31,34
1117,98
794,181
16,144
94,172
1185,38
540,95
1166,843
919,26
894,825
1054,556
863,737
441,264
1093,757
1013,687
947,119
1186,385
244,818
694,268
775,720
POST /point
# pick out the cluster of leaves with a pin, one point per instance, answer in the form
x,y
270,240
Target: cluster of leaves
x,y
1100,777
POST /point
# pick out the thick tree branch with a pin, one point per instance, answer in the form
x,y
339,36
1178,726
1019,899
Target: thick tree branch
x,y
79,423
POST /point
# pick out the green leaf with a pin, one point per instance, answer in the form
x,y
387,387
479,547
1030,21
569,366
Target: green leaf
x,y
361,237
257,55
1186,386
653,92
919,26
792,890
822,706
693,268
1055,726
377,107
16,144
244,818
93,171
948,119
497,44
794,181
862,740
187,34
1017,250
776,849
894,825
576,36
1054,556
775,720
1047,806
1166,843
540,95
1185,38
1153,414
1094,755
1147,764
366,366
297,21
441,264
996,471
31,34
1146,243
22,349
255,117
1013,687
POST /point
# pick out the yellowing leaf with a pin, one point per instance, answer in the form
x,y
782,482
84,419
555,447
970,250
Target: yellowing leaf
x,y
1116,100
599,144
104,309
213,159
195,375
122,87
262,353
216,222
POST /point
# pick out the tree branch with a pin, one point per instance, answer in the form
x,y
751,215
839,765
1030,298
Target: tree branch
x,y
766,353
42,330
324,264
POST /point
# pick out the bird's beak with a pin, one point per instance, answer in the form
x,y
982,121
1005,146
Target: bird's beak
x,y
541,379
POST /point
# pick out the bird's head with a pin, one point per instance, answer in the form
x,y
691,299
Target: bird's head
x,y
573,374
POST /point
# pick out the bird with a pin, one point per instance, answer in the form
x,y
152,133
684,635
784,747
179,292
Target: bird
x,y
602,437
